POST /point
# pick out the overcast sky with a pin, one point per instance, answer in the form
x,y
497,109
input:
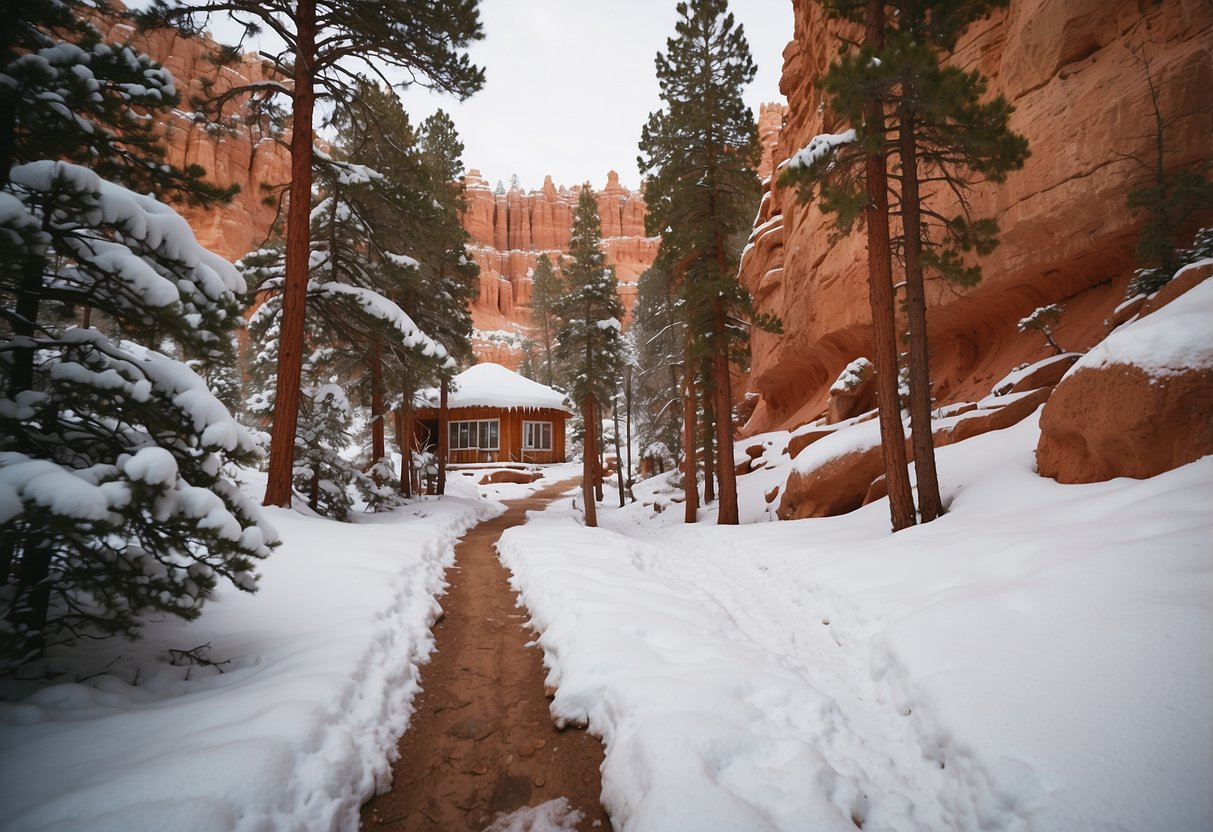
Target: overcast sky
x,y
571,82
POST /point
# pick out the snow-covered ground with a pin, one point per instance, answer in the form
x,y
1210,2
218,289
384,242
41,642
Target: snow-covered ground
x,y
296,727
1039,658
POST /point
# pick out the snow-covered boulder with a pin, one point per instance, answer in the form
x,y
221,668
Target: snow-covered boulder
x,y
1139,403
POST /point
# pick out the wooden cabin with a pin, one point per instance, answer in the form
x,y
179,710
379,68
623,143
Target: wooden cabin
x,y
495,415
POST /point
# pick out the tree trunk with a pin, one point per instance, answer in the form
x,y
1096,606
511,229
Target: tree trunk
x,y
443,434
378,442
709,449
406,444
880,298
726,474
600,458
618,452
294,294
589,460
690,486
930,504
400,442
627,375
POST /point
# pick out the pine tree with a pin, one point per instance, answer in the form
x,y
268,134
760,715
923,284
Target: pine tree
x,y
589,341
946,133
659,332
115,504
1169,199
322,39
701,152
354,330
545,294
895,91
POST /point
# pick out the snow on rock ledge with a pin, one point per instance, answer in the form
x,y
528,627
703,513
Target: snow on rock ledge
x,y
1138,404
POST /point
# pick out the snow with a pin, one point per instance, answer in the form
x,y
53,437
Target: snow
x,y
852,375
293,730
1005,384
491,385
1040,657
1170,341
553,816
819,147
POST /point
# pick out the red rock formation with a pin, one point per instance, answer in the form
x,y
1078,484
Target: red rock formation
x,y
1080,97
1111,418
243,158
770,123
511,231
1120,421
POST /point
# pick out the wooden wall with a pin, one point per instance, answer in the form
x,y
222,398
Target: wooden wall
x,y
509,433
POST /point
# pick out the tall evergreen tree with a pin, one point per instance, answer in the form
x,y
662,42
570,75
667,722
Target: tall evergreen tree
x,y
114,501
659,332
354,330
701,152
545,294
945,134
589,341
413,239
896,93
323,39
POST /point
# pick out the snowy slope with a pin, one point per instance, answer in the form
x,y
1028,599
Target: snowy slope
x,y
1039,658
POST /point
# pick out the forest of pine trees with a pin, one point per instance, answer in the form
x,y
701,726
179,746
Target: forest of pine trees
x,y
122,402
126,404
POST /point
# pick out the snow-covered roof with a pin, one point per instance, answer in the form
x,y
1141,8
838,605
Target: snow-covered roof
x,y
491,385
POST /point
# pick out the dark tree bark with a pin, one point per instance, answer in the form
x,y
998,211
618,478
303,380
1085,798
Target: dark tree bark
x,y
378,441
690,486
628,405
618,452
294,294
880,298
589,461
709,449
930,504
406,444
443,434
726,475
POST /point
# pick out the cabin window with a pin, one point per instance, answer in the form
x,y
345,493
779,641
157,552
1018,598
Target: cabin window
x,y
478,435
537,436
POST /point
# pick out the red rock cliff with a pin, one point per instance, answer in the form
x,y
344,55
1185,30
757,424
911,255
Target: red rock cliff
x,y
242,158
1081,98
510,231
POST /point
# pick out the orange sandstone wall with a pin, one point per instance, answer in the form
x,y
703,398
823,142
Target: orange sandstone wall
x,y
248,160
1080,96
510,231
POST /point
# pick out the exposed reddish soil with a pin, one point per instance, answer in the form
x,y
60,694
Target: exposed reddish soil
x,y
482,740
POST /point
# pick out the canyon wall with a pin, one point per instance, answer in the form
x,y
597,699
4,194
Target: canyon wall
x,y
256,162
1073,72
511,231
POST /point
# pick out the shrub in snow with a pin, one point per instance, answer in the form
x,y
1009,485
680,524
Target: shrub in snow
x,y
1149,281
1043,319
379,487
113,501
321,474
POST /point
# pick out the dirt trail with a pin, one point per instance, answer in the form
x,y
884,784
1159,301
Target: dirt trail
x,y
481,740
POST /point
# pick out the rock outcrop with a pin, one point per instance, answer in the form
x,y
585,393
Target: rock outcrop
x,y
1073,73
257,162
1139,404
770,124
511,231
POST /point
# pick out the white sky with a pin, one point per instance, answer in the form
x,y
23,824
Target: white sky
x,y
570,83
